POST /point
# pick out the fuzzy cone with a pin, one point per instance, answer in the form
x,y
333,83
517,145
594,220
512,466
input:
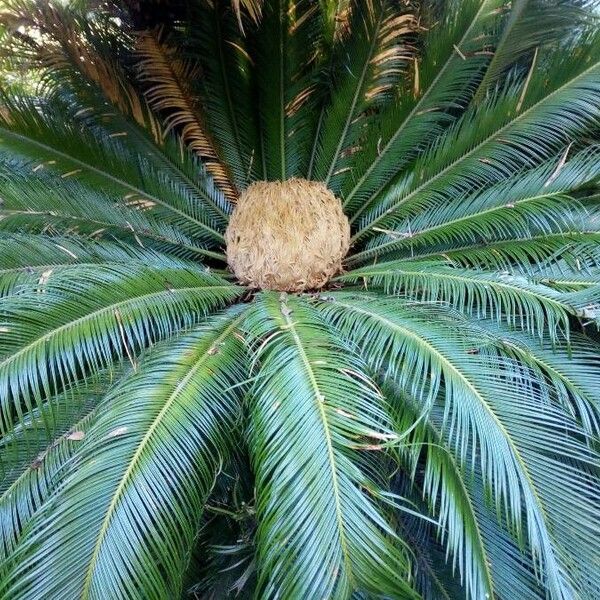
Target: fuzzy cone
x,y
287,235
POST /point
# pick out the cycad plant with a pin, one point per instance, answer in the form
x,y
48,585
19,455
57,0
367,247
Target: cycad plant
x,y
392,391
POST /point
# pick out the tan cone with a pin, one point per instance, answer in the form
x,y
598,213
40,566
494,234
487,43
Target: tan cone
x,y
287,235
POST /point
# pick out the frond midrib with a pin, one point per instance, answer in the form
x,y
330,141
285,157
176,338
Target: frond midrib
x,y
282,21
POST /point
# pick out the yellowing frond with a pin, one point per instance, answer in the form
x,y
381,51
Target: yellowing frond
x,y
168,79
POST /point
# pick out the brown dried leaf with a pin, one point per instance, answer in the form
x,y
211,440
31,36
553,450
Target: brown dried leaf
x,y
117,432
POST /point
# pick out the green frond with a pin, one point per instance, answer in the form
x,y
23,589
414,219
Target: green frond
x,y
497,413
513,569
226,88
90,316
121,112
36,453
45,204
501,296
372,60
85,230
508,562
103,162
444,487
36,483
531,27
162,153
492,140
336,16
284,63
313,413
143,471
24,257
455,50
511,561
546,199
27,441
572,373
569,254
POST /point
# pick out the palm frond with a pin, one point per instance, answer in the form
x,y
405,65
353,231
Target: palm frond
x,y
502,296
285,55
545,199
144,470
451,491
433,576
491,141
126,307
167,77
532,27
431,474
336,15
374,57
511,560
47,203
513,569
455,50
108,94
25,257
569,253
37,452
572,373
250,8
161,152
313,413
497,413
72,152
82,49
36,482
226,87
39,428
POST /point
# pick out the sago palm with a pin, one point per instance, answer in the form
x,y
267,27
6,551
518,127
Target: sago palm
x,y
299,300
